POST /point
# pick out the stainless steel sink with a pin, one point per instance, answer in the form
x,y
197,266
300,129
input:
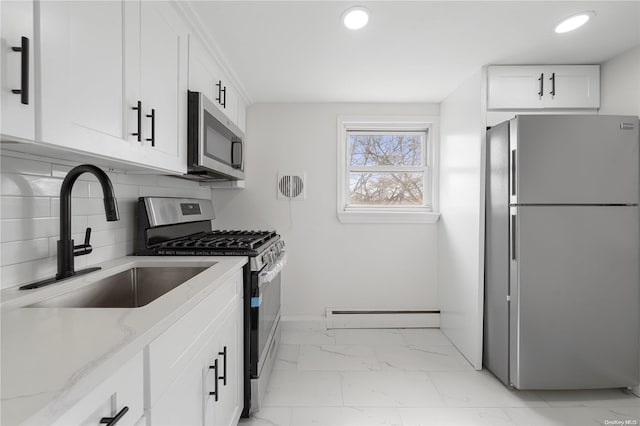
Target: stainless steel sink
x,y
132,288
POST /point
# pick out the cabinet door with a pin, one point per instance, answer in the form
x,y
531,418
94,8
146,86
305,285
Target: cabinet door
x,y
122,389
242,114
82,77
230,106
18,119
203,71
183,402
516,87
572,86
226,411
163,64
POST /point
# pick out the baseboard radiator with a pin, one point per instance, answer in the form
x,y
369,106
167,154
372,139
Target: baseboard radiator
x,y
382,318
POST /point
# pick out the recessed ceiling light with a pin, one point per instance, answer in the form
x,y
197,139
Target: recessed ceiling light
x,y
355,17
574,22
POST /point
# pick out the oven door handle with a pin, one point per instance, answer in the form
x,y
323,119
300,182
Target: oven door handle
x,y
267,276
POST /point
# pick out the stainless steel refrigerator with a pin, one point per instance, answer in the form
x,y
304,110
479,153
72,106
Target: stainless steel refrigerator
x,y
562,274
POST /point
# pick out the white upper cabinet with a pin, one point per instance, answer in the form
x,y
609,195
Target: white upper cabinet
x,y
206,76
204,71
98,60
537,87
82,78
163,71
572,86
242,114
16,30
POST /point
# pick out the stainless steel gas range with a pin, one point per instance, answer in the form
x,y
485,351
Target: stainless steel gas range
x,y
182,227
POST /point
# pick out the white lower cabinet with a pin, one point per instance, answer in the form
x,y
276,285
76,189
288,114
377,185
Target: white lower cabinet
x,y
189,375
120,395
228,352
195,367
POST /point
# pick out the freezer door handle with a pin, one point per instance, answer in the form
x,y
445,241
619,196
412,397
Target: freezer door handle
x,y
513,172
513,236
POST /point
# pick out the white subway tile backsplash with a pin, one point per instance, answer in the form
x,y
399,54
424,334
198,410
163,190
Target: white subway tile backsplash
x,y
23,251
21,207
30,209
99,223
134,179
110,237
79,206
27,229
22,273
103,254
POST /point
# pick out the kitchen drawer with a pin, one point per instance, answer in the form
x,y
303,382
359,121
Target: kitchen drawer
x,y
170,353
122,389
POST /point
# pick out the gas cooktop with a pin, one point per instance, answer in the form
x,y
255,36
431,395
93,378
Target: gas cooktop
x,y
241,243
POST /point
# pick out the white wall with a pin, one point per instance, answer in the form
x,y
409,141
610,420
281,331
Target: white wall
x,y
460,268
30,210
620,90
331,264
620,84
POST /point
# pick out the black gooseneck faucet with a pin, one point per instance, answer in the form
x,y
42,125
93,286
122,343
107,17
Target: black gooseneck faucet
x,y
66,248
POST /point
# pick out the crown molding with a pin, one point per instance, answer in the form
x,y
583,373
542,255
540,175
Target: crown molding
x,y
185,8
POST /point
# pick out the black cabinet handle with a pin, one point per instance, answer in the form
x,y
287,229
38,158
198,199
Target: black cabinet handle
x,y
553,84
541,80
219,95
110,421
139,132
24,71
214,367
224,366
224,97
152,139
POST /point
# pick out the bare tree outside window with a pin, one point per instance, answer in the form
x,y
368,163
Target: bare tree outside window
x,y
386,169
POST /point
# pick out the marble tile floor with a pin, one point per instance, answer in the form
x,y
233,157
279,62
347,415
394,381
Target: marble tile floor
x,y
411,377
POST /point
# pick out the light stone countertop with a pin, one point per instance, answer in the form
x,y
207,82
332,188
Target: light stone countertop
x,y
52,357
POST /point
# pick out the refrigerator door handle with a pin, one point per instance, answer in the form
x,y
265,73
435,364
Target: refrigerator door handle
x,y
513,172
513,235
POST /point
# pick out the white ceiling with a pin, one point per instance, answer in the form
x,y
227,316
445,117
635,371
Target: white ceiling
x,y
411,51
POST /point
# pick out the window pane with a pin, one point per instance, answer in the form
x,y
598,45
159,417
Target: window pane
x,y
400,189
378,149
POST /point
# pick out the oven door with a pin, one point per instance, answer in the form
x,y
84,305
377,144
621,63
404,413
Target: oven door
x,y
265,311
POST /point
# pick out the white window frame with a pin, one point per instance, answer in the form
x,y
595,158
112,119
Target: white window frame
x,y
388,214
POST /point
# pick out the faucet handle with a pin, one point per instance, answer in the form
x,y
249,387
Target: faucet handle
x,y
85,248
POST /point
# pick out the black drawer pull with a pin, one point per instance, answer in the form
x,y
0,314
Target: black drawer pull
x,y
152,139
214,367
139,132
224,366
110,421
24,71
219,96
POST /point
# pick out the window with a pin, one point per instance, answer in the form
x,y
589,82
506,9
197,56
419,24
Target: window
x,y
385,169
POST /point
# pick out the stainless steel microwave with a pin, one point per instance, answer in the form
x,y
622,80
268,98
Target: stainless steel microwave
x,y
215,144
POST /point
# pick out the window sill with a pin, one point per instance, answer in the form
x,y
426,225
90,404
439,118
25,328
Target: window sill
x,y
387,217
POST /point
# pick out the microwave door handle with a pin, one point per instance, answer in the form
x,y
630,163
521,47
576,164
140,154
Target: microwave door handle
x,y
237,164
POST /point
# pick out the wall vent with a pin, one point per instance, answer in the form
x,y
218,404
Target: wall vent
x,y
292,186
